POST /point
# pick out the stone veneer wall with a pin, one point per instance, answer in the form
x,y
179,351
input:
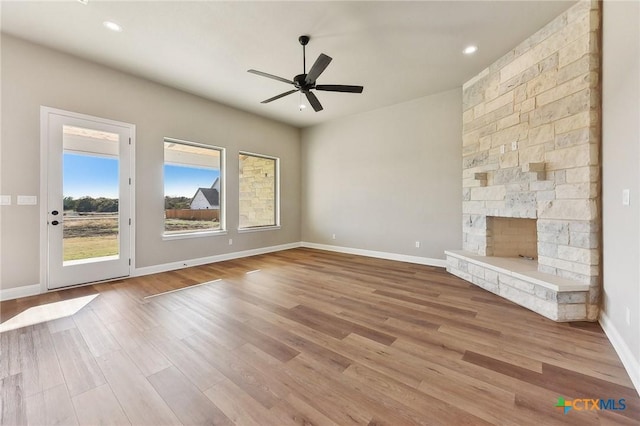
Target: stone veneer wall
x,y
531,144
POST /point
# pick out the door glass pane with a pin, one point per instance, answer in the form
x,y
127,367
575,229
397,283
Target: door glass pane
x,y
90,190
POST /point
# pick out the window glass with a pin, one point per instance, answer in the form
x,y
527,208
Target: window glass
x,y
258,191
192,187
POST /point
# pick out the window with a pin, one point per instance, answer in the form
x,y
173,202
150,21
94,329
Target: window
x,y
259,180
193,199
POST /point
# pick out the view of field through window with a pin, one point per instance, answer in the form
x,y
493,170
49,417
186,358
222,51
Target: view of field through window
x,y
192,191
90,191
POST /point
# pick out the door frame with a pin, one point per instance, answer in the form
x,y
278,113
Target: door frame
x,y
45,111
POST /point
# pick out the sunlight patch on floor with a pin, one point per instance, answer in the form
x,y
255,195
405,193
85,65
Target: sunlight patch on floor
x,y
48,312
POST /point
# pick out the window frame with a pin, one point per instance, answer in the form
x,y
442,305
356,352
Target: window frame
x,y
222,230
276,191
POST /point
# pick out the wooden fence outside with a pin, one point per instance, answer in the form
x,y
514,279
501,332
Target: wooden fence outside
x,y
187,214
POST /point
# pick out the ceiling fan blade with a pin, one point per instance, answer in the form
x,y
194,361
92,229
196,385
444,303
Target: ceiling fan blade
x,y
271,76
339,88
281,95
315,103
317,68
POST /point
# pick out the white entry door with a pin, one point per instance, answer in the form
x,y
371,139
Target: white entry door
x,y
88,197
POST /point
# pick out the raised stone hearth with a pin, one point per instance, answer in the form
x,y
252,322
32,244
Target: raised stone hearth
x,y
519,280
531,171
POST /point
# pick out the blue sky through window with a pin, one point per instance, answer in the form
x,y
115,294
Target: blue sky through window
x,y
182,181
87,175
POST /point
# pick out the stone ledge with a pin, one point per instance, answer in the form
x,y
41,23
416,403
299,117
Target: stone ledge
x,y
518,280
523,269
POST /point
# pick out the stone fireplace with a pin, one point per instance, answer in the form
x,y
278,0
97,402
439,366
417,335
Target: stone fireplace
x,y
531,171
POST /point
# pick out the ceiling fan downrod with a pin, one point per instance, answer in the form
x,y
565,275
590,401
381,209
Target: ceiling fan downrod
x,y
304,40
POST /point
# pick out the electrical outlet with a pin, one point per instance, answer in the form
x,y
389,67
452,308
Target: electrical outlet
x,y
230,241
625,197
514,145
333,236
5,200
502,149
417,244
628,316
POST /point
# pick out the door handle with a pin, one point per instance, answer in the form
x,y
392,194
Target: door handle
x,y
55,222
55,212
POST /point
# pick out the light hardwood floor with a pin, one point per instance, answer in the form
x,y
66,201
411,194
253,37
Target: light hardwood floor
x,y
304,337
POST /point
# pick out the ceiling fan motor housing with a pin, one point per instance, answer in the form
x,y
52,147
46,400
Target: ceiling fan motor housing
x,y
300,83
304,39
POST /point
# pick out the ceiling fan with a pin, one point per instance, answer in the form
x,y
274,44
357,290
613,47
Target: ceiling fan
x,y
304,82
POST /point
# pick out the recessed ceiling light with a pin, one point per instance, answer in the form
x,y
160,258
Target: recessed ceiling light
x,y
85,2
112,26
470,49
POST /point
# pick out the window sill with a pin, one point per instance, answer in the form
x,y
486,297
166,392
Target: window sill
x,y
187,235
258,229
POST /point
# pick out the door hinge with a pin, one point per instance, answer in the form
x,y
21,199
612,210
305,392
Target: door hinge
x,y
129,141
129,181
129,221
129,262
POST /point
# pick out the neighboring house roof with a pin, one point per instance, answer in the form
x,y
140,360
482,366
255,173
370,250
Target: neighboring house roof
x,y
216,184
210,194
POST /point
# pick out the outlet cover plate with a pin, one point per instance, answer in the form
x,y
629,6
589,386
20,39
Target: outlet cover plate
x,y
27,200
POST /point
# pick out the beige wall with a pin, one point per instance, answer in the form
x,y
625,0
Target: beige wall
x,y
621,170
33,76
384,179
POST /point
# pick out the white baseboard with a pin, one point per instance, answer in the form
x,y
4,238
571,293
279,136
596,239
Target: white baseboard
x,y
18,292
147,270
379,254
631,364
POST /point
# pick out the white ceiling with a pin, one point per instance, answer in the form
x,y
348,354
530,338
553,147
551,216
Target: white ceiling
x,y
397,50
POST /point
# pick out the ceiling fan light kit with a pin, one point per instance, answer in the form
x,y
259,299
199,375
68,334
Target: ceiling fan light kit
x,y
306,82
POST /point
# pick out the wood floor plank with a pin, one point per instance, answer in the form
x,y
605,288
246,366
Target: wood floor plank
x,y
242,374
61,324
313,337
40,367
51,407
80,370
12,405
300,412
139,400
423,403
237,406
95,333
373,405
99,406
187,402
194,366
268,344
332,358
10,357
145,356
